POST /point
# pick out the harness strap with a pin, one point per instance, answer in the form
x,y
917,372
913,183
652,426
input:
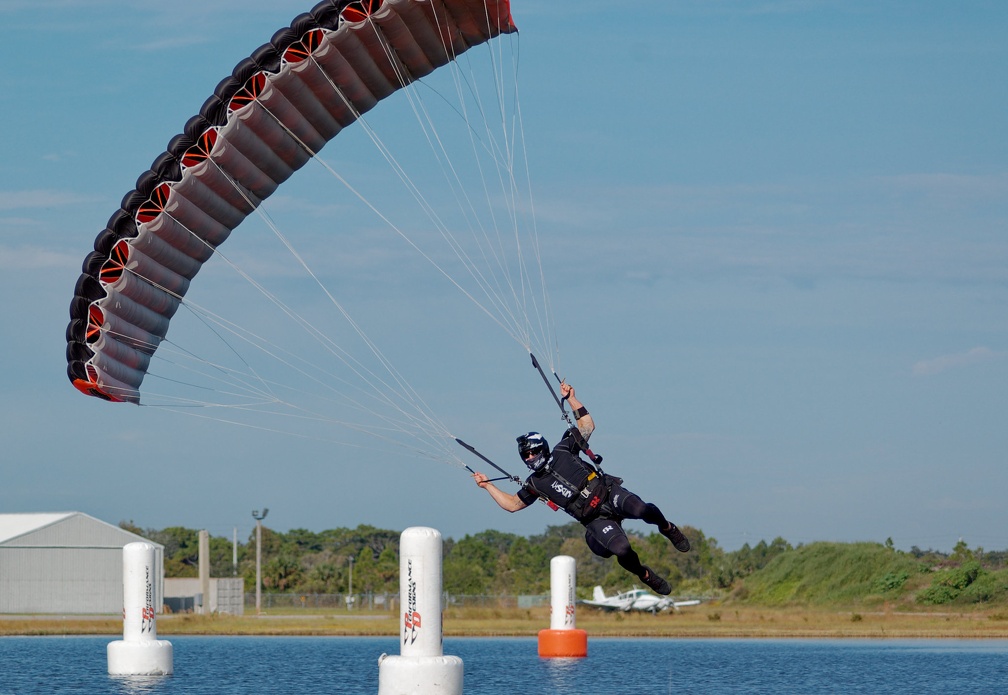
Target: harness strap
x,y
593,496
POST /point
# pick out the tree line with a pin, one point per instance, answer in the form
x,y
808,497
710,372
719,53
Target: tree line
x,y
494,563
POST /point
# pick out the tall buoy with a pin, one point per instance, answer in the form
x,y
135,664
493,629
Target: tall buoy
x,y
139,652
421,667
563,638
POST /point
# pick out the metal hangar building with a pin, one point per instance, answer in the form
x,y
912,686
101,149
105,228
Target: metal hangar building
x,y
67,563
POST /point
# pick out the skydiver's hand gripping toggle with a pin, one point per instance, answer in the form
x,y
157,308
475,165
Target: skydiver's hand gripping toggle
x,y
581,441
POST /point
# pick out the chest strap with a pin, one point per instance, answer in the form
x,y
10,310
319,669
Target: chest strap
x,y
588,501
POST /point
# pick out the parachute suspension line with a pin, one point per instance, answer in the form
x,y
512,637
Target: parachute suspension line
x,y
508,156
249,389
267,395
395,227
206,317
547,324
492,298
242,383
260,392
184,407
272,351
550,342
504,157
491,254
454,182
450,457
418,196
424,427
496,251
404,390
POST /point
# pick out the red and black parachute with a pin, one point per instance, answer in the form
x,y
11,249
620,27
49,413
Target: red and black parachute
x,y
262,123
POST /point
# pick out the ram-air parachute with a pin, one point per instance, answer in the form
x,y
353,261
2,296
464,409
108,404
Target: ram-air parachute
x,y
265,121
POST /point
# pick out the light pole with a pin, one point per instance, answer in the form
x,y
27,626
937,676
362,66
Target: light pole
x,y
259,517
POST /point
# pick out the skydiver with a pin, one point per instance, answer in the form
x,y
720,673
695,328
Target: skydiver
x,y
598,501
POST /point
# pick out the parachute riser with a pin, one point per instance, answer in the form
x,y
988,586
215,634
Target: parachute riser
x,y
471,449
582,442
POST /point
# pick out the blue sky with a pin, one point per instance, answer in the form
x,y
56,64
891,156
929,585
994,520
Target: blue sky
x,y
775,238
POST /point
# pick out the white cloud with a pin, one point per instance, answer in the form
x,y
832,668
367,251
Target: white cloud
x,y
24,200
959,188
943,363
29,258
168,43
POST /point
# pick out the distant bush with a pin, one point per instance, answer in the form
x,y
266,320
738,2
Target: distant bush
x,y
989,587
891,581
936,595
951,584
963,576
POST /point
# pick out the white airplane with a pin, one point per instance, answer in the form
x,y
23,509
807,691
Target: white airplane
x,y
635,600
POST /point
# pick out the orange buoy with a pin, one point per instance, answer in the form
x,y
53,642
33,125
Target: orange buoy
x,y
572,642
562,639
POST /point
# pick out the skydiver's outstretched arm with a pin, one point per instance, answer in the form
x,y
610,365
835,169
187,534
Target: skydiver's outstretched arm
x,y
585,424
507,502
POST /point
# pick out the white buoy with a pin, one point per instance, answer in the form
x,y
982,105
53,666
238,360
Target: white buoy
x,y
563,639
139,652
421,667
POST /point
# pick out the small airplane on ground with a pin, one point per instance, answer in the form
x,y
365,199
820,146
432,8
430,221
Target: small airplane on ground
x,y
635,600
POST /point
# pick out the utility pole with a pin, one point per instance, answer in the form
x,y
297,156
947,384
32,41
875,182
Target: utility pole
x,y
204,571
350,596
259,517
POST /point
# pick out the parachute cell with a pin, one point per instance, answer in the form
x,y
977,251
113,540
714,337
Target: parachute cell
x,y
278,109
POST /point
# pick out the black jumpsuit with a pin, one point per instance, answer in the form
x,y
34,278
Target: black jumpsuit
x,y
560,484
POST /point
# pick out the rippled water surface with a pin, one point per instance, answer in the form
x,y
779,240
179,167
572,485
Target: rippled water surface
x,y
495,666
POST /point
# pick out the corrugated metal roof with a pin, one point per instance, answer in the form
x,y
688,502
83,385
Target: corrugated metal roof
x,y
62,529
14,525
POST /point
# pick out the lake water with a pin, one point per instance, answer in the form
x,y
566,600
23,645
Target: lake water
x,y
211,665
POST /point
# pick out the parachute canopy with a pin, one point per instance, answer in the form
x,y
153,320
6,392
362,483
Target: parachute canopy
x,y
276,110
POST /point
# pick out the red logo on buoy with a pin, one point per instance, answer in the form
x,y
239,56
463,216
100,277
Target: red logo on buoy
x,y
147,613
411,618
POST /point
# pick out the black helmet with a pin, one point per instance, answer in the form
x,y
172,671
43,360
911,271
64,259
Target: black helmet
x,y
533,449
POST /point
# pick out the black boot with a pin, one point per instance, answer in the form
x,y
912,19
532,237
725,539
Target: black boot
x,y
680,541
655,582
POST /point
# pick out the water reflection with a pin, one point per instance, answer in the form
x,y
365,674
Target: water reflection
x,y
138,685
562,674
